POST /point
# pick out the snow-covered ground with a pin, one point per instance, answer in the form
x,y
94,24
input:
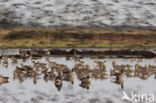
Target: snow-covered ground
x,y
87,13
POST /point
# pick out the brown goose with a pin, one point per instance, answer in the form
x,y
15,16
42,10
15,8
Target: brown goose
x,y
119,78
5,63
4,79
58,82
86,82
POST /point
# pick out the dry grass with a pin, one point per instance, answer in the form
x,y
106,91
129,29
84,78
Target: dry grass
x,y
41,37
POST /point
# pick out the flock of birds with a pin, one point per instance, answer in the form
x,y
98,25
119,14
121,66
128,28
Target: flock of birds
x,y
52,71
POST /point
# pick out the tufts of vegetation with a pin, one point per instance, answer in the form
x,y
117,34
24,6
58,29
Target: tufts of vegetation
x,y
42,37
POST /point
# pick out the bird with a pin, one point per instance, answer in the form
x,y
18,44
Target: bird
x,y
5,63
95,64
4,79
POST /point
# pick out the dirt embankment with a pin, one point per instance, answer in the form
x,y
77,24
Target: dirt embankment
x,y
122,53
113,53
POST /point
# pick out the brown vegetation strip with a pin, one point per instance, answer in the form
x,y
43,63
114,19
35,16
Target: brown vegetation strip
x,y
79,34
77,37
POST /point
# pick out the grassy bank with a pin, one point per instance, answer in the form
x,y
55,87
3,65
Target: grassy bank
x,y
20,37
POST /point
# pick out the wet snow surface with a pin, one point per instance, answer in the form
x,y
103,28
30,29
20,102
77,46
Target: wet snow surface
x,y
87,13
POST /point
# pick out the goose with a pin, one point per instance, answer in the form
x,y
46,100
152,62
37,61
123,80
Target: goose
x,y
46,76
87,67
102,66
104,63
85,82
136,73
65,71
114,72
79,62
103,75
43,67
19,69
129,73
96,73
5,63
4,57
26,67
36,65
52,74
95,64
129,66
51,64
58,82
152,67
114,64
15,75
35,74
14,60
86,85
68,77
140,60
21,77
4,79
69,57
119,79
138,66
53,70
133,59
82,73
78,57
48,52
143,76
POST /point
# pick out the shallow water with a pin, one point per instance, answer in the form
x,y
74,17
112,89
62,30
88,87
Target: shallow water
x,y
100,91
88,13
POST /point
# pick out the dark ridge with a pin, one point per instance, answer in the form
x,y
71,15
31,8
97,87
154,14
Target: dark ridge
x,y
118,53
122,53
